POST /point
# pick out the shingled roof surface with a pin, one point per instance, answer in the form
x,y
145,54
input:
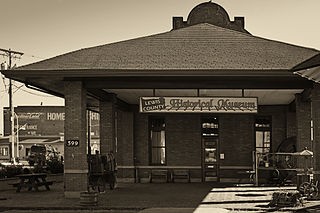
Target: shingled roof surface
x,y
202,46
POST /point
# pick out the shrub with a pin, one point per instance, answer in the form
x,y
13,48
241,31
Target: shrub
x,y
12,170
2,171
54,166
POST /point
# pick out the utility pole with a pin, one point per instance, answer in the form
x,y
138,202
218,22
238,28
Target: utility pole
x,y
10,53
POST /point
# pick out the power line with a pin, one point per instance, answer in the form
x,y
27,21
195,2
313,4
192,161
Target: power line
x,y
5,90
33,56
4,82
27,91
17,87
33,93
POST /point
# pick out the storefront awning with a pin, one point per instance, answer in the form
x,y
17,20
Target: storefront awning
x,y
33,141
39,141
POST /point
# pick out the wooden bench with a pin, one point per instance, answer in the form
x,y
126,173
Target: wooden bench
x,y
180,174
159,174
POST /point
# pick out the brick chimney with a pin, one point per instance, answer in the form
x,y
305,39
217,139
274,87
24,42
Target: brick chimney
x,y
177,23
239,21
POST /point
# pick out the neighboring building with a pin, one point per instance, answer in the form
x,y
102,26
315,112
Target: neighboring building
x,y
40,125
202,97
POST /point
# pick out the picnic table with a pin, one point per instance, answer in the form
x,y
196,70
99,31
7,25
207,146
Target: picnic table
x,y
32,181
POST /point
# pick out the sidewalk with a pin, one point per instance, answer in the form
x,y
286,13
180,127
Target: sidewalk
x,y
147,198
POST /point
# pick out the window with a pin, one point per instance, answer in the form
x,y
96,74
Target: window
x,y
263,135
157,141
28,150
4,151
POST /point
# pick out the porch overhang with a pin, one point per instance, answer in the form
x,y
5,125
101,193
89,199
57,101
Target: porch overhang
x,y
309,69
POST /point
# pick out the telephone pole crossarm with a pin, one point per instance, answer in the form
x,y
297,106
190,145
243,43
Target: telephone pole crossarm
x,y
11,51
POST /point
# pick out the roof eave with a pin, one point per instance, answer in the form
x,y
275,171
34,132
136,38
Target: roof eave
x,y
76,73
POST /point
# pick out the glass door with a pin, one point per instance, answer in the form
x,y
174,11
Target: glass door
x,y
210,151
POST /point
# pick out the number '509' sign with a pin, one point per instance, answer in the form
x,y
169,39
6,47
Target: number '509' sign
x,y
72,142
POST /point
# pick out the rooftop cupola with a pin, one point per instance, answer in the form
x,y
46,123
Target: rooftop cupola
x,y
210,13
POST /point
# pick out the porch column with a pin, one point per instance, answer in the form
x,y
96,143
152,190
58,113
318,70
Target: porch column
x,y
303,116
107,125
75,155
315,97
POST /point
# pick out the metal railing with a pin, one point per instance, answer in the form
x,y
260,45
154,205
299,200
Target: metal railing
x,y
299,162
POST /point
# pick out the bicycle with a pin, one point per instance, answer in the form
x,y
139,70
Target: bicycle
x,y
309,189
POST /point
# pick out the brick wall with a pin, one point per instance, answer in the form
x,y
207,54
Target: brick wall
x,y
236,139
125,138
291,124
183,140
141,139
303,116
125,144
316,127
107,126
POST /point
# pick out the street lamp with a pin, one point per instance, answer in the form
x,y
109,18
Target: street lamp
x,y
17,132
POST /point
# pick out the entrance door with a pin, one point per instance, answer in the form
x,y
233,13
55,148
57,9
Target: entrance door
x,y
210,149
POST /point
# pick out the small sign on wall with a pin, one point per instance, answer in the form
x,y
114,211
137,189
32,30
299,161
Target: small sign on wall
x,y
222,156
72,143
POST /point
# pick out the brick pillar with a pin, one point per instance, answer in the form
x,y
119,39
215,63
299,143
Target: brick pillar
x,y
75,157
125,146
315,97
291,124
107,126
303,113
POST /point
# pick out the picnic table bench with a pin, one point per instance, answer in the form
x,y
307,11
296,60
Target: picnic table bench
x,y
32,181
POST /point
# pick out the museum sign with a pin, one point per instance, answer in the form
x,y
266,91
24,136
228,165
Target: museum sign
x,y
199,104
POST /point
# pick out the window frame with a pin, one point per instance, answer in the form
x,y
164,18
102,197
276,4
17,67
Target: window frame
x,y
264,129
2,151
150,144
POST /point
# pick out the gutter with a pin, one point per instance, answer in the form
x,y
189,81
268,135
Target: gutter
x,y
40,89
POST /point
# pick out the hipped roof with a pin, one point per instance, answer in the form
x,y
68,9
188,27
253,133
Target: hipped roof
x,y
199,47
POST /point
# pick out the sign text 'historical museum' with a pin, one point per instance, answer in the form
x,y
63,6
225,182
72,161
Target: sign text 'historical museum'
x,y
199,104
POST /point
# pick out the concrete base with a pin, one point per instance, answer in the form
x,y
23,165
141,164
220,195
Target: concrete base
x,y
195,180
231,180
125,180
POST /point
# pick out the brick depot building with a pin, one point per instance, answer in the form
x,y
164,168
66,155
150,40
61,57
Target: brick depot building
x,y
200,97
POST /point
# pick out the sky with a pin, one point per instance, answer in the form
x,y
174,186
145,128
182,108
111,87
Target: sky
x,y
43,29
